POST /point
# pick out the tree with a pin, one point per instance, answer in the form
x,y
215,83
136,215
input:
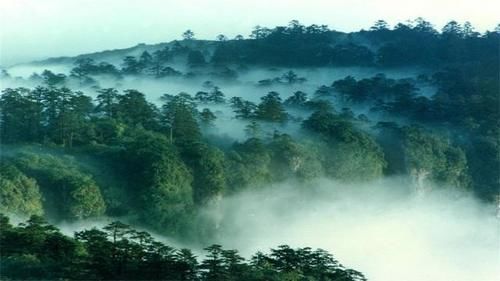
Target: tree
x,y
298,99
188,265
169,71
19,194
158,59
44,114
453,29
248,164
271,109
135,110
83,67
243,108
74,110
291,77
163,180
37,250
210,180
424,27
221,38
107,102
15,123
216,96
145,60
259,32
353,155
100,250
201,96
69,193
188,35
178,116
131,66
235,265
468,31
51,79
431,158
292,159
213,266
207,117
380,25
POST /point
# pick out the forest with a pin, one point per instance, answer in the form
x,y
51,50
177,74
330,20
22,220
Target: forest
x,y
156,135
37,250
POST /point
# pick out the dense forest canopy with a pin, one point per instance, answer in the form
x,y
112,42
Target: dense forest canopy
x,y
96,141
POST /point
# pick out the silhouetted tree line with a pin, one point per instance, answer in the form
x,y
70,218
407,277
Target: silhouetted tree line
x,y
402,45
315,45
36,250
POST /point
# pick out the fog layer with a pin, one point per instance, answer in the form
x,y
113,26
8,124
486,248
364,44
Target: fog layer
x,y
379,228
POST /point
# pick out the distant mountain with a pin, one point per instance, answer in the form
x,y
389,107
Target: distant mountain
x,y
116,55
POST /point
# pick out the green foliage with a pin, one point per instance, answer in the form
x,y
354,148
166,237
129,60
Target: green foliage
x,y
188,35
178,118
37,250
248,164
257,162
298,99
41,114
86,67
377,88
53,80
210,178
433,155
160,168
271,109
107,102
69,192
484,165
242,108
352,154
131,65
134,110
108,131
216,96
19,194
20,114
292,159
162,181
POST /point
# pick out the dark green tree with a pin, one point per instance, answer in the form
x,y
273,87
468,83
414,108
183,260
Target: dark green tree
x,y
107,102
271,109
135,110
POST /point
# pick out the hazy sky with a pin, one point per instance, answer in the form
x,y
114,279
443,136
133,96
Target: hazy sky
x,y
32,29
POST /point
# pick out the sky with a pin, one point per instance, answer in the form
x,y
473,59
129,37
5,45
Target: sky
x,y
37,29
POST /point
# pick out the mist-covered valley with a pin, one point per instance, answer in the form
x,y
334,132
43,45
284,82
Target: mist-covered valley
x,y
379,152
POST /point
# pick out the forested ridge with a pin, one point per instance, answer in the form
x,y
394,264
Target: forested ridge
x,y
36,250
80,145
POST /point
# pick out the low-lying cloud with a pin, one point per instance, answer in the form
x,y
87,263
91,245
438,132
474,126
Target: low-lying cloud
x,y
379,228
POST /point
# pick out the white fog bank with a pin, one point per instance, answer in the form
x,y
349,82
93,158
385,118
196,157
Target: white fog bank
x,y
377,228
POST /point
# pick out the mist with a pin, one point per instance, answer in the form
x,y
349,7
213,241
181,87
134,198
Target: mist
x,y
347,142
380,228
